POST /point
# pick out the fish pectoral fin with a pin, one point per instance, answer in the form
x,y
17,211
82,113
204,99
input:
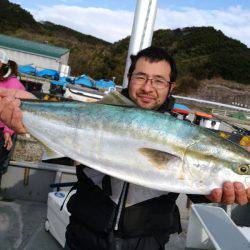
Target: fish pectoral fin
x,y
115,98
157,157
50,154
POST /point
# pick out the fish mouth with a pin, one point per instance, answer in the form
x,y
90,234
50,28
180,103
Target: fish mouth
x,y
247,181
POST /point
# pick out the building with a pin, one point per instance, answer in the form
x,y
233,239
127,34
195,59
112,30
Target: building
x,y
39,55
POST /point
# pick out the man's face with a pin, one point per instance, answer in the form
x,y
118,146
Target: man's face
x,y
146,95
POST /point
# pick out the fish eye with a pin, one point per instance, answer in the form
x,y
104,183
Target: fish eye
x,y
243,169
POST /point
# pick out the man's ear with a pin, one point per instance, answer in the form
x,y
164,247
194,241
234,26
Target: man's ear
x,y
172,86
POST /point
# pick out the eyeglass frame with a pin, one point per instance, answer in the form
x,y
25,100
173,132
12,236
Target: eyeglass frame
x,y
146,79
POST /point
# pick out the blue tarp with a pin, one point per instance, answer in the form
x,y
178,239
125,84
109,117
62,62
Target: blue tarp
x,y
104,84
59,83
63,81
53,74
83,80
181,106
27,69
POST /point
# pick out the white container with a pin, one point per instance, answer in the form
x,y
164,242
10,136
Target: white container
x,y
57,220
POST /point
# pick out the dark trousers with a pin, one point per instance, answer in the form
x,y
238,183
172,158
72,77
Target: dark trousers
x,y
5,154
82,238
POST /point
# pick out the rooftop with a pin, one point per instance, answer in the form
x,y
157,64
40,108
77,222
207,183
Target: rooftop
x,y
37,48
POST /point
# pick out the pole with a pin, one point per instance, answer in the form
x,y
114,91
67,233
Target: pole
x,y
142,31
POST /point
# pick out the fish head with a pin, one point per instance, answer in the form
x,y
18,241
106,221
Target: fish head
x,y
242,172
233,172
212,171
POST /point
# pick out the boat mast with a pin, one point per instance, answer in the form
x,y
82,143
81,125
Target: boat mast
x,y
142,31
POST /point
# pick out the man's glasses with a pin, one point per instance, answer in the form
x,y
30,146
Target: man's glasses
x,y
156,81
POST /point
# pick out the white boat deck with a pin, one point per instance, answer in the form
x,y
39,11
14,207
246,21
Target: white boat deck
x,y
22,227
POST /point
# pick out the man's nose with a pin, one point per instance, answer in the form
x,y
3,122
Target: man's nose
x,y
148,86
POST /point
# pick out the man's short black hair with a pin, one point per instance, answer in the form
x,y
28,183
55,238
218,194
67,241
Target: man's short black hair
x,y
154,54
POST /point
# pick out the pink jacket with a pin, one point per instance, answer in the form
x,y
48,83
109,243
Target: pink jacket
x,y
10,83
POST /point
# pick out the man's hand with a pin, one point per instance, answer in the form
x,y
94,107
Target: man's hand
x,y
230,193
7,141
16,93
10,113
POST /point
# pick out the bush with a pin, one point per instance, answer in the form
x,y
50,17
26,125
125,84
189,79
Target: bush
x,y
186,84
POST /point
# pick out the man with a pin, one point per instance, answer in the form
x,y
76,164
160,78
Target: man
x,y
147,216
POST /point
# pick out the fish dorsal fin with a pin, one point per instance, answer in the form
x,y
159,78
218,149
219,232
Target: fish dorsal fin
x,y
115,98
157,157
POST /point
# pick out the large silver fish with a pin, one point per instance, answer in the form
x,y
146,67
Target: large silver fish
x,y
140,146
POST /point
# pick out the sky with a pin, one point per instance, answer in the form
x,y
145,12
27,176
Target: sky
x,y
112,20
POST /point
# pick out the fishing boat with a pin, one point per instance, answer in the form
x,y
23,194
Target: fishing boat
x,y
84,94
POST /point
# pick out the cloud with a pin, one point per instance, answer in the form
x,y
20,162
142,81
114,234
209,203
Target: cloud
x,y
103,23
233,22
113,25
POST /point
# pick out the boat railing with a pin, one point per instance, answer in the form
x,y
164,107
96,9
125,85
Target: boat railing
x,y
211,227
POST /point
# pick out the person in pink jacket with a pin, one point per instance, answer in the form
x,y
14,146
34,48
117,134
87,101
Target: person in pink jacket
x,y
8,80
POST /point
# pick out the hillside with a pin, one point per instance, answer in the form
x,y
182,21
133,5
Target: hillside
x,y
10,16
87,53
201,53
